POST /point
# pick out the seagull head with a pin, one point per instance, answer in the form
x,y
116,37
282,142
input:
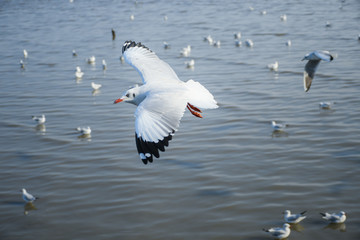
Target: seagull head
x,y
286,225
133,95
23,190
287,212
342,213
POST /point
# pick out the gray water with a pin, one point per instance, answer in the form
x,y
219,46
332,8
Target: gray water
x,y
225,176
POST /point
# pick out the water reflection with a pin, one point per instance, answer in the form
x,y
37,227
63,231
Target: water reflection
x,y
336,226
277,133
29,207
96,92
41,129
297,227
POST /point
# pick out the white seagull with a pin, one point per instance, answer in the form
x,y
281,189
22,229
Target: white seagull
x,y
161,101
27,196
334,217
249,43
104,64
74,53
293,218
279,232
277,126
237,35
91,60
83,130
186,51
25,53
273,66
22,65
209,39
78,73
217,43
283,17
39,120
190,64
288,43
166,45
238,42
310,68
95,86
326,105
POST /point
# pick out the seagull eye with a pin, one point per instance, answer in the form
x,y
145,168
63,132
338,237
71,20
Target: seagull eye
x,y
127,95
133,94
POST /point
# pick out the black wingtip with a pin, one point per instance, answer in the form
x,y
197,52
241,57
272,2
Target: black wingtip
x,y
323,214
331,58
302,213
129,44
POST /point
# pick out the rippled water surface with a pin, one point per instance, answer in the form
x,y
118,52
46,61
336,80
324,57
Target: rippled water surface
x,y
226,176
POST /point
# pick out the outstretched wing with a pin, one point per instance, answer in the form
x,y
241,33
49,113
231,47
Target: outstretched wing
x,y
310,69
150,67
324,55
157,119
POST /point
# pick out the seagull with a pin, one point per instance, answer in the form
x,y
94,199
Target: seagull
x,y
288,43
74,53
166,45
22,65
95,86
113,34
78,73
190,64
25,53
132,17
104,64
217,43
334,217
310,68
273,66
122,59
27,196
91,60
83,130
279,232
263,12
326,105
209,39
238,42
237,35
328,24
283,17
161,101
186,51
39,120
277,126
249,43
293,218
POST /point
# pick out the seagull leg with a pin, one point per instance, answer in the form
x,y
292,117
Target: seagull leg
x,y
194,112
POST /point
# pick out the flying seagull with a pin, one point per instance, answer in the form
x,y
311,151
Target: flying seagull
x,y
310,68
161,101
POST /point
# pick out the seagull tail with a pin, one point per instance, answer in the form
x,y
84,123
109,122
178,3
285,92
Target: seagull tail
x,y
199,96
265,230
323,214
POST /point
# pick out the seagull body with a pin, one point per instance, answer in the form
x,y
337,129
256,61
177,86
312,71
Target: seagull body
x,y
39,120
263,12
186,51
91,60
238,42
249,43
334,217
95,86
78,73
166,45
273,66
161,101
104,64
277,126
209,39
132,17
27,196
74,53
283,17
25,53
22,65
85,131
288,43
237,35
314,59
293,218
325,105
190,64
279,232
217,43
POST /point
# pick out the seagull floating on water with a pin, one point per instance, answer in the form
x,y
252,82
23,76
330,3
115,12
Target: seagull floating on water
x,y
310,68
39,120
95,86
238,42
273,66
22,65
335,217
186,51
166,45
78,73
161,101
27,196
25,53
74,53
293,218
132,17
288,43
279,232
84,130
283,17
91,60
209,39
104,64
249,43
326,105
217,43
237,35
190,64
278,126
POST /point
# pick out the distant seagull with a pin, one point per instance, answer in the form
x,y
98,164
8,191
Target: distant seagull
x,y
27,196
263,12
278,126
328,24
249,43
39,120
78,73
95,86
283,17
237,35
122,59
166,45
186,51
293,218
22,65
217,43
288,43
161,101
165,18
359,37
209,39
104,64
91,60
132,17
238,42
83,130
279,232
190,64
273,66
325,105
25,53
334,217
74,53
310,68
113,34
251,8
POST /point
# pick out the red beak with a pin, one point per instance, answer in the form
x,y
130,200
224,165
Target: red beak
x,y
118,100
